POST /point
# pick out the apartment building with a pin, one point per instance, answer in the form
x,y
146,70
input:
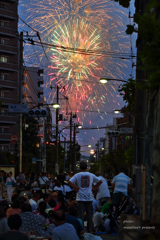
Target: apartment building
x,y
33,96
9,75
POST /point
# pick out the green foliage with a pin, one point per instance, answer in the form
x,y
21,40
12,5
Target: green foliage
x,y
112,162
127,90
129,157
95,167
29,141
149,35
123,3
130,29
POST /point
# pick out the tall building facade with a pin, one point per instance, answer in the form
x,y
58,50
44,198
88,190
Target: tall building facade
x,y
9,75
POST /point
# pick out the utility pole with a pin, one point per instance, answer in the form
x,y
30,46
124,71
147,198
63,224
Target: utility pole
x,y
64,154
57,111
44,147
74,148
140,118
70,160
20,99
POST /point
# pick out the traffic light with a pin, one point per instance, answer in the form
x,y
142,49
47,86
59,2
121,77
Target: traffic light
x,y
113,133
37,113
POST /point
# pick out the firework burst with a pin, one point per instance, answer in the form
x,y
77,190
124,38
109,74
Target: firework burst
x,y
77,64
94,26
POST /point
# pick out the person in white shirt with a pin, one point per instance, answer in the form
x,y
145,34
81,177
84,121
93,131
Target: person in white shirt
x,y
103,194
33,201
84,181
43,180
10,181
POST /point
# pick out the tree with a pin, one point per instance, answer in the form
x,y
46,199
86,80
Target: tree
x,y
149,35
29,142
127,90
116,159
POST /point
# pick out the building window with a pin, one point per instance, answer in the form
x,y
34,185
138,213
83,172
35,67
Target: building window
x,y
4,148
4,41
4,23
4,130
3,76
5,94
3,5
4,112
3,59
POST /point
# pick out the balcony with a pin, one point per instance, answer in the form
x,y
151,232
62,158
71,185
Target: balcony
x,y
8,14
40,80
12,67
40,90
8,49
7,85
40,99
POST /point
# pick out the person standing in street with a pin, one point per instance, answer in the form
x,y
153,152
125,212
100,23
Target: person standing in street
x,y
10,181
120,185
102,192
84,181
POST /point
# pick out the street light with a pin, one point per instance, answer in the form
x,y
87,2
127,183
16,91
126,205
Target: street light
x,y
79,126
56,105
117,111
89,145
105,80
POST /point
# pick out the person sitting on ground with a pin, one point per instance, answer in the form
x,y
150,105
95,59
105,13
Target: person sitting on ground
x,y
15,209
67,191
58,187
33,223
60,203
63,230
41,211
73,211
52,203
95,205
33,201
55,196
14,223
3,220
106,207
27,192
47,198
72,219
23,200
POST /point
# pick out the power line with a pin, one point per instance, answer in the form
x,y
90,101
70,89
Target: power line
x,y
83,51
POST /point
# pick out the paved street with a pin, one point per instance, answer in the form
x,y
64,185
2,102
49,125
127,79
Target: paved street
x,y
108,237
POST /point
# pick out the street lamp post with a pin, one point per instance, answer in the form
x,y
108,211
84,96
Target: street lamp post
x,y
70,160
105,80
56,106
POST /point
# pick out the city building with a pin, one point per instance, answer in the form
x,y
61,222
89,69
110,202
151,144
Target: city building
x,y
9,74
34,98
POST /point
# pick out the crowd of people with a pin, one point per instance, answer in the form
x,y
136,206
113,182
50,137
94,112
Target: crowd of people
x,y
56,207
